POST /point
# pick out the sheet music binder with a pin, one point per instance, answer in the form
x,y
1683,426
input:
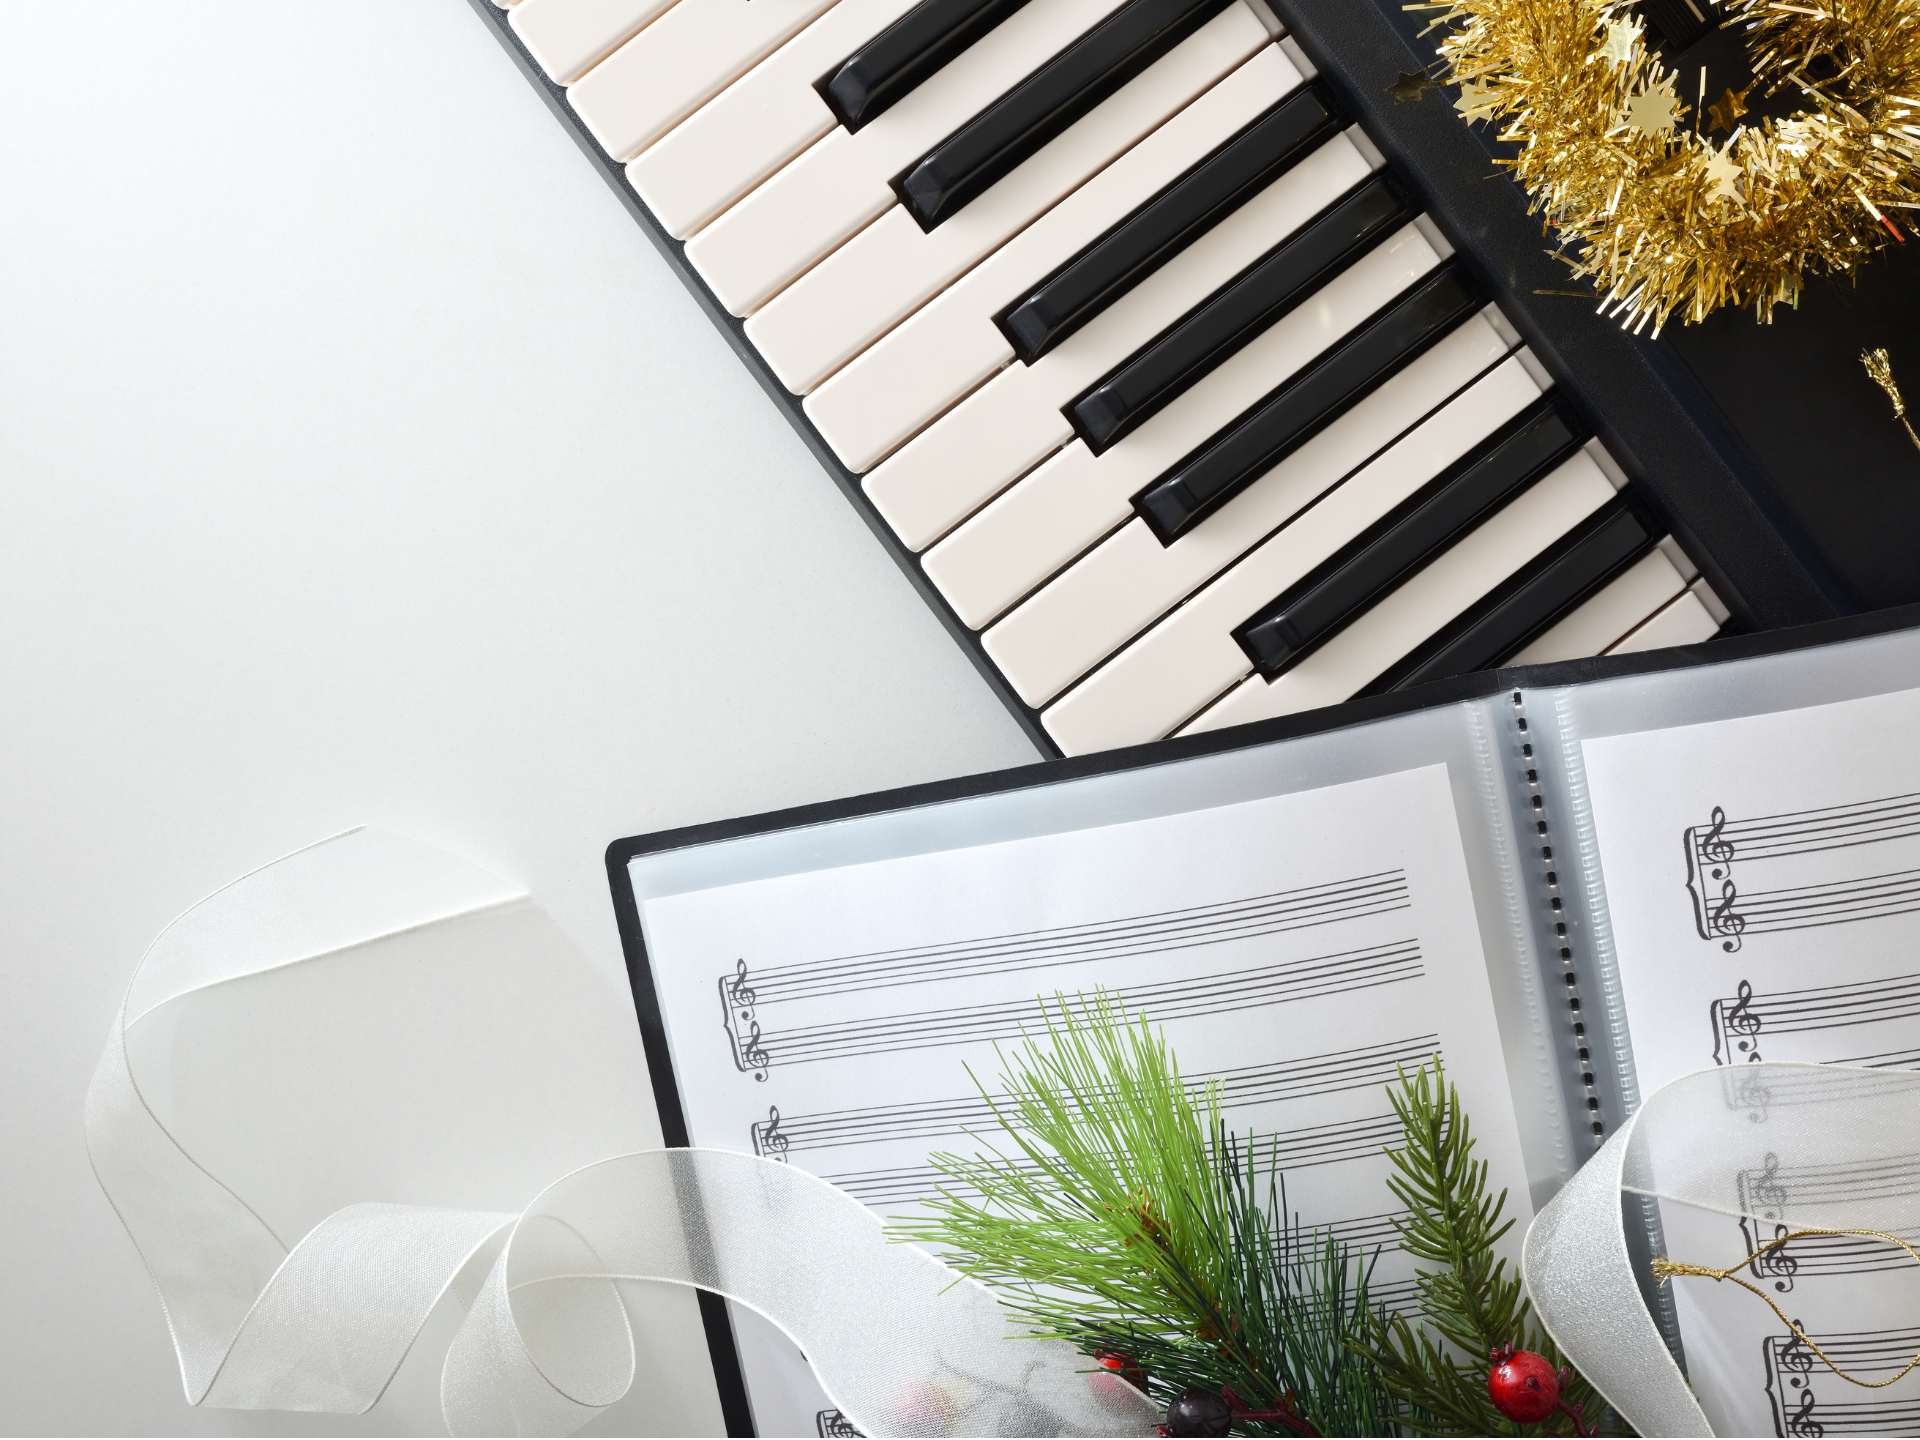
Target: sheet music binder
x,y
1511,742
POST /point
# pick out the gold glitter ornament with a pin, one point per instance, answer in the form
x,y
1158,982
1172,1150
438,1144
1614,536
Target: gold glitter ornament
x,y
1651,112
1658,217
1723,174
1412,85
1619,43
1475,101
1880,369
1728,108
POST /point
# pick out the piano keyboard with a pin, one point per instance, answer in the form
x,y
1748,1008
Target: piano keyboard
x,y
1136,350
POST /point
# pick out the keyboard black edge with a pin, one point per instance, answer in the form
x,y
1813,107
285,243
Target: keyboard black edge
x,y
1651,413
734,330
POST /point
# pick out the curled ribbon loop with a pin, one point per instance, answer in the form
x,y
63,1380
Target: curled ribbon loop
x,y
1684,1146
903,1344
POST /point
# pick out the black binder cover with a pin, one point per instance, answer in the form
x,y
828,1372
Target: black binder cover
x,y
728,1374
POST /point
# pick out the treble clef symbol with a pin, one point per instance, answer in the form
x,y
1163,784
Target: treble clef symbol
x,y
1739,1020
772,1143
755,1054
1777,1262
1794,1355
1753,1096
1714,847
738,991
1742,1021
1768,1193
1801,1422
1723,920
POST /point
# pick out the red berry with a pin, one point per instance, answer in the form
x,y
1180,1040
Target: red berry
x,y
1125,1366
1522,1386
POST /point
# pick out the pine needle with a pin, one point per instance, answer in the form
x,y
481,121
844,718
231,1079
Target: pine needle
x,y
1469,1300
1131,1221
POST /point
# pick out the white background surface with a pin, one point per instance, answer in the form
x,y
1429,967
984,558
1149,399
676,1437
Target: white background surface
x,y
361,462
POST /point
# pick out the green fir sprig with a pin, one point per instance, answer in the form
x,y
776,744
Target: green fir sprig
x,y
1470,1301
1131,1223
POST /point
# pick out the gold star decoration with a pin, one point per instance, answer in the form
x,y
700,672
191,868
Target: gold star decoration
x,y
1412,85
1723,170
1476,101
1727,109
1652,112
1620,37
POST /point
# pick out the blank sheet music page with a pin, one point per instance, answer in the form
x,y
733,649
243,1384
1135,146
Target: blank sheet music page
x,y
1761,875
1298,948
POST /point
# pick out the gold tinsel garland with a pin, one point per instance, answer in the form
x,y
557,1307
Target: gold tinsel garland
x,y
1649,207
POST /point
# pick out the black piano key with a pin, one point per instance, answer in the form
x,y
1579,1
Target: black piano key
x,y
1213,331
996,140
884,71
1286,631
1305,405
1604,545
1166,224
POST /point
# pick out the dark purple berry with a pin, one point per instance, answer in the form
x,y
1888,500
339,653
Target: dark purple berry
x,y
1198,1412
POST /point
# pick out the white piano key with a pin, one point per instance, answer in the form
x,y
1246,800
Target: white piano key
x,y
1670,547
1598,622
809,208
1130,579
755,125
1686,621
680,61
1076,497
1420,608
1001,431
952,344
866,286
568,37
1190,657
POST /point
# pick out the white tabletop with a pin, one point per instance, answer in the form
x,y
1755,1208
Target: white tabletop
x,y
363,463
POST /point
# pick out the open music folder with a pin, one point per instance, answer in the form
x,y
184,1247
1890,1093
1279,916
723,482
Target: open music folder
x,y
1571,882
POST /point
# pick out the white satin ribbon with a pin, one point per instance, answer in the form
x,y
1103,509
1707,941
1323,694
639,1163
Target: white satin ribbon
x,y
1689,1143
903,1344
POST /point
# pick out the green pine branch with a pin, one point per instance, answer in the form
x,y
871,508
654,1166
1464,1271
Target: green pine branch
x,y
1129,1220
1469,1300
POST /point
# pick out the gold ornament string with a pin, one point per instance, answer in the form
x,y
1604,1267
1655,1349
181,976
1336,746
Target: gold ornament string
x,y
1666,1269
1881,369
1668,213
